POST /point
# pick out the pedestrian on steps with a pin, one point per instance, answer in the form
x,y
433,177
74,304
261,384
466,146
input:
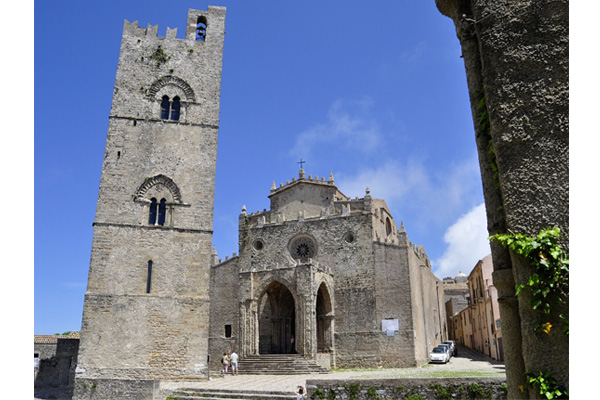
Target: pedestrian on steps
x,y
300,393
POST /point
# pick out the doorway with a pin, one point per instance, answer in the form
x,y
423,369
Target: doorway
x,y
277,320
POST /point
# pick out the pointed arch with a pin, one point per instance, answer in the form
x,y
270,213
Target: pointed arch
x,y
324,319
276,319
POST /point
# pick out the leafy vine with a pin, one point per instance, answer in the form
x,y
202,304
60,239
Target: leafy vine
x,y
549,286
549,283
547,386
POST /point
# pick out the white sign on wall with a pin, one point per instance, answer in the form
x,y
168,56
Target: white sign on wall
x,y
389,325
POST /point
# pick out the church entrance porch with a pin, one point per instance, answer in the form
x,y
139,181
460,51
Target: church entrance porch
x,y
277,320
287,311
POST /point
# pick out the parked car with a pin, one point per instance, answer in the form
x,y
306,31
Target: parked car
x,y
439,354
447,347
453,348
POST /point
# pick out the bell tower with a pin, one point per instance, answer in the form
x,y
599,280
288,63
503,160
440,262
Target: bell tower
x,y
146,308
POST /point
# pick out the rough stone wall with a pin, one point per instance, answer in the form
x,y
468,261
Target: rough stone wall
x,y
517,57
420,388
105,389
56,374
393,298
145,319
354,271
224,292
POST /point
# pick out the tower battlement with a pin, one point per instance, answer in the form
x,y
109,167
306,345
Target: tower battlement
x,y
198,27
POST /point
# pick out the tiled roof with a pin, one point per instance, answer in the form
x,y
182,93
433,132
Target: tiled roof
x,y
52,339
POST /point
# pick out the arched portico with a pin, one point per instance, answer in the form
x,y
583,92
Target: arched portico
x,y
324,320
276,320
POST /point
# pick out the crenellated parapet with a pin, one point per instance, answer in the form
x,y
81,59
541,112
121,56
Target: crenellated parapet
x,y
198,28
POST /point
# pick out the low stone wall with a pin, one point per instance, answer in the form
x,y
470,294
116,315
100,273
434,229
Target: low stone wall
x,y
113,389
410,389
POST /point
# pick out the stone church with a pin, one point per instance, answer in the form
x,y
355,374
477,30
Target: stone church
x,y
334,273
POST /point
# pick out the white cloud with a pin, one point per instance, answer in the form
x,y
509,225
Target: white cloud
x,y
390,181
412,187
348,126
467,243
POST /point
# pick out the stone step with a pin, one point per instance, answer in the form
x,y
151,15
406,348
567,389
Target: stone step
x,y
279,364
230,394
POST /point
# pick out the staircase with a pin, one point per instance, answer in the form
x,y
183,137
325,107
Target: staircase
x,y
279,364
229,394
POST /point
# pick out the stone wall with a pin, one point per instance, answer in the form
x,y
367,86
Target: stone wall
x,y
224,288
417,389
112,389
146,309
359,260
57,363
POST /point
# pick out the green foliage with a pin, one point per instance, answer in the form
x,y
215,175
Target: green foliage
x,y
160,56
477,391
549,284
414,397
319,394
547,386
372,393
504,388
331,394
353,390
441,392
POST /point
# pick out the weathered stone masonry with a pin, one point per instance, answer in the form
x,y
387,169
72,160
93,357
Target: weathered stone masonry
x,y
327,270
146,308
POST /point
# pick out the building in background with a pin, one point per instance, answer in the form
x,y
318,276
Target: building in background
x,y
477,325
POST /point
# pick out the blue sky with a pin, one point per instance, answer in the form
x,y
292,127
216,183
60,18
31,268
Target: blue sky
x,y
374,92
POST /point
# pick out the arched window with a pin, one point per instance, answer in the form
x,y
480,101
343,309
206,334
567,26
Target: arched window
x,y
158,212
162,212
153,209
201,29
388,227
165,108
175,109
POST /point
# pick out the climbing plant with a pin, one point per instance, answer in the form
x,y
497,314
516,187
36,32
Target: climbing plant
x,y
547,386
549,286
549,283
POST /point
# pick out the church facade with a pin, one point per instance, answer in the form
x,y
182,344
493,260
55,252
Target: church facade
x,y
329,277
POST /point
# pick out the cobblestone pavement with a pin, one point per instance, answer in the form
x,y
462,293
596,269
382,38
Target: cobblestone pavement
x,y
467,363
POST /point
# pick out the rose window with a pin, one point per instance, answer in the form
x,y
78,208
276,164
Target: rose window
x,y
302,248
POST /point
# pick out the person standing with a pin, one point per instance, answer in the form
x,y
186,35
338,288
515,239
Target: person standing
x,y
234,363
225,362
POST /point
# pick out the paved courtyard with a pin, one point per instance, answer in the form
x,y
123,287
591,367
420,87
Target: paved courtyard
x,y
466,364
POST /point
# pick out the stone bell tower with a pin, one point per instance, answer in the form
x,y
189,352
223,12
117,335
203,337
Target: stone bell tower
x,y
146,307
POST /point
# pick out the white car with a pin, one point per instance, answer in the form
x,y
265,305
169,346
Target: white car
x,y
439,354
447,347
